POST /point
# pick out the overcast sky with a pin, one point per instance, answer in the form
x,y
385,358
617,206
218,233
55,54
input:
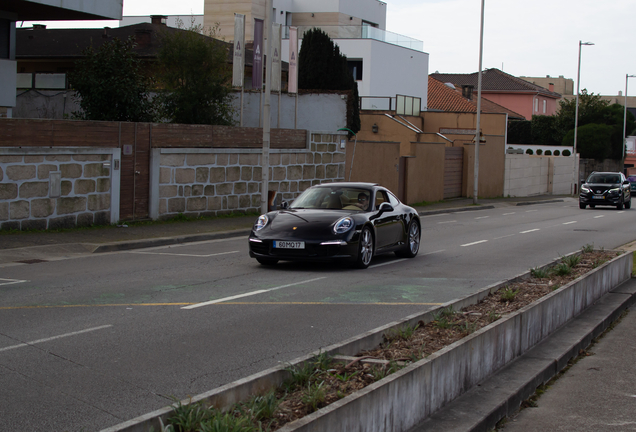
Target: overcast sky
x,y
523,38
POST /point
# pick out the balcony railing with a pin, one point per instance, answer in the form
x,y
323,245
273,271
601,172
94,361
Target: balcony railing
x,y
362,32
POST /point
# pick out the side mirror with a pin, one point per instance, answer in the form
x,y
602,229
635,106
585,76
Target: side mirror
x,y
284,205
385,207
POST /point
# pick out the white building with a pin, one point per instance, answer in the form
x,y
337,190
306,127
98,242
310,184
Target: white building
x,y
384,63
25,10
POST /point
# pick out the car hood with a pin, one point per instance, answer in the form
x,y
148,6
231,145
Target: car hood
x,y
602,186
301,219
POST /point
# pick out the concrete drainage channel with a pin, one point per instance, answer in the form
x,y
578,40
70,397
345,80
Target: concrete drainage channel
x,y
408,397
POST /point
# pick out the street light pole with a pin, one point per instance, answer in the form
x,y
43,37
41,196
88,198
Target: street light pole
x,y
478,125
576,116
625,116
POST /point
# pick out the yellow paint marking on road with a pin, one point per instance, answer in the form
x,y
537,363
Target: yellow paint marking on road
x,y
221,304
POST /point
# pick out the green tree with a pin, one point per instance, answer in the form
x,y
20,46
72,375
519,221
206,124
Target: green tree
x,y
544,130
111,85
519,132
194,77
321,66
594,141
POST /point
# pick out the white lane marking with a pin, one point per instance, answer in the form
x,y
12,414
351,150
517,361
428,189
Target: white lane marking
x,y
596,217
530,211
387,263
474,243
11,281
221,300
506,214
482,217
186,255
568,223
54,337
446,222
529,231
509,235
434,252
620,212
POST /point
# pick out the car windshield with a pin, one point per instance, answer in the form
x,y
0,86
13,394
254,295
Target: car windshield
x,y
604,178
333,198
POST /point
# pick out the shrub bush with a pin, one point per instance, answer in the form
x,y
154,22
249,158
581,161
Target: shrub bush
x,y
566,153
548,153
557,153
529,151
539,152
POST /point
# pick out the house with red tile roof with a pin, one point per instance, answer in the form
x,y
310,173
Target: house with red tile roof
x,y
447,98
514,93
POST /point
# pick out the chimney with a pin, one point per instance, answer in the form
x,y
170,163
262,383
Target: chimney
x,y
105,34
39,26
551,87
467,91
158,19
142,37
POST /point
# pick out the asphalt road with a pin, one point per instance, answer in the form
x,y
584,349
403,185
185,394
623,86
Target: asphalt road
x,y
89,342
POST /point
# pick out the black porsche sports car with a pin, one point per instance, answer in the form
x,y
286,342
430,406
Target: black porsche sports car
x,y
337,222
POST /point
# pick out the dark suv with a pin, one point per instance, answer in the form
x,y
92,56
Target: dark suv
x,y
606,189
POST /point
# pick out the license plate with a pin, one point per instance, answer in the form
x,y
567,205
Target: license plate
x,y
598,197
280,244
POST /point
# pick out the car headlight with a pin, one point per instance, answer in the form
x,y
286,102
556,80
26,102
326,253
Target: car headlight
x,y
585,189
261,222
343,225
614,191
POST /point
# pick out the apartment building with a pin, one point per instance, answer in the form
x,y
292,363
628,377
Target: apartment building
x,y
384,63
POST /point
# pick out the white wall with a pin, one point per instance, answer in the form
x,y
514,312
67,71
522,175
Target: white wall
x,y
369,10
388,69
527,175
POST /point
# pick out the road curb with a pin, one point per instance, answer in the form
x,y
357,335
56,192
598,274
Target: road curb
x,y
454,210
539,202
167,241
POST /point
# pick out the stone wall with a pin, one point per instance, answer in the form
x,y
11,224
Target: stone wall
x,y
56,188
207,182
528,175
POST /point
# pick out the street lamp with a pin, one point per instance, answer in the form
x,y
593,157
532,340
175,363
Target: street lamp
x,y
576,115
625,116
478,125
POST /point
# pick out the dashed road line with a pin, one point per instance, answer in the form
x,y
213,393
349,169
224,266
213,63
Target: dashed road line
x,y
54,337
529,231
387,263
530,211
474,243
506,214
445,222
596,217
568,223
221,300
509,235
482,217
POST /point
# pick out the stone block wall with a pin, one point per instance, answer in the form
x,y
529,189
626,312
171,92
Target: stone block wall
x,y
54,188
206,182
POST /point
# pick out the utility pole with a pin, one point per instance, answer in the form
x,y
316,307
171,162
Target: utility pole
x,y
266,106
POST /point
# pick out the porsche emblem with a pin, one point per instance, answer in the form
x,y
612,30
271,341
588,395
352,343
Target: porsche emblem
x,y
295,227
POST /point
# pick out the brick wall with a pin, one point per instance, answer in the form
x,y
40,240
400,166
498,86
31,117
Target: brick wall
x,y
220,181
55,188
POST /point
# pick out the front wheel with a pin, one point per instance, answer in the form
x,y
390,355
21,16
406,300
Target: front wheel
x,y
582,206
412,242
628,204
620,205
365,249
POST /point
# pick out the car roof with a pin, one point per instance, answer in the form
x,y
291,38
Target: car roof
x,y
348,184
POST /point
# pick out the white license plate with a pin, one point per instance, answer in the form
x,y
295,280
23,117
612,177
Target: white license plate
x,y
280,244
598,197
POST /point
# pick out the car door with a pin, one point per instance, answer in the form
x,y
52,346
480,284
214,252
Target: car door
x,y
388,224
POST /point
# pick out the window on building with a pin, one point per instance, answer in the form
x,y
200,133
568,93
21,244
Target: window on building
x,y
536,105
545,106
5,38
355,66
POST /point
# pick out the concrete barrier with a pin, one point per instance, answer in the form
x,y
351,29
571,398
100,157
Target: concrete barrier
x,y
407,397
